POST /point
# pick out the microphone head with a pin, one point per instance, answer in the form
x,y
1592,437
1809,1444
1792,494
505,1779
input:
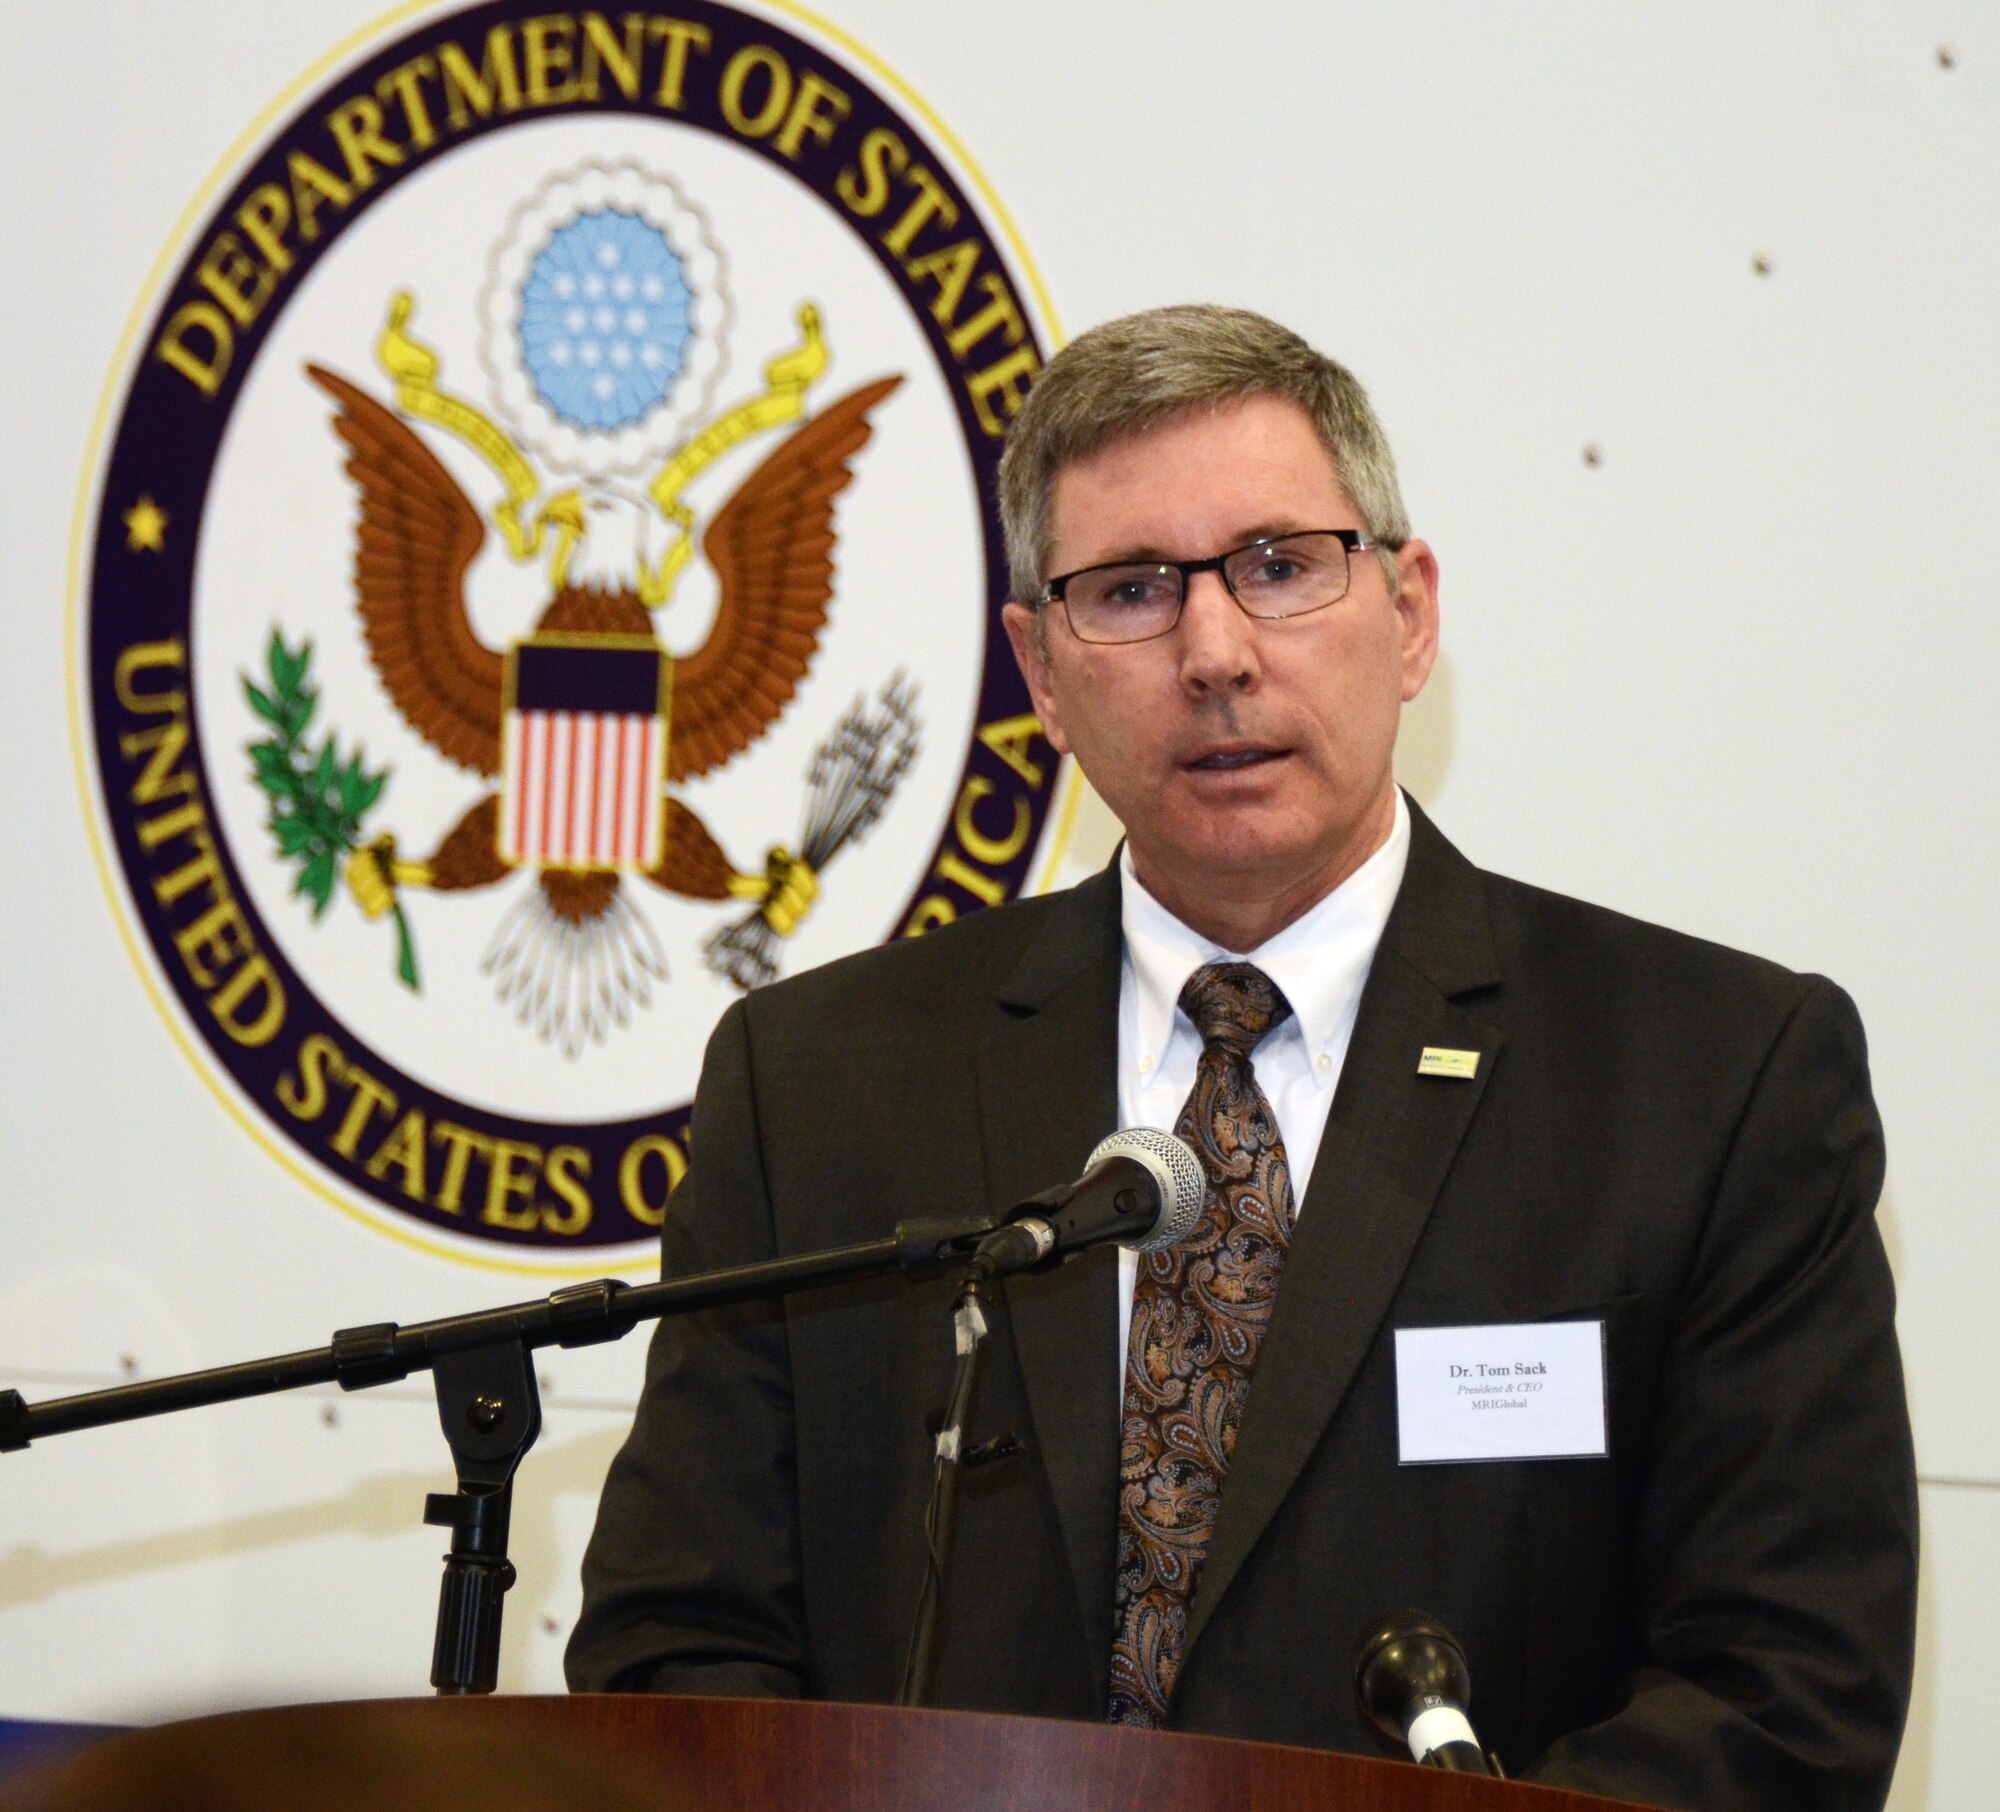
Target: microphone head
x,y
1402,1661
1182,1183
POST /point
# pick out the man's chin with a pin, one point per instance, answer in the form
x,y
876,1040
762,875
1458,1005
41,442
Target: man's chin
x,y
1221,852
1249,815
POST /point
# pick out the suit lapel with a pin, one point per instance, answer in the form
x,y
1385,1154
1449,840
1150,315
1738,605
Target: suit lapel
x,y
1048,1093
1389,1141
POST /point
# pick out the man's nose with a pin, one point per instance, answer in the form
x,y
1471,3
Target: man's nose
x,y
1217,637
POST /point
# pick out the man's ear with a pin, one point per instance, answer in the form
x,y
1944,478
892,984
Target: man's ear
x,y
1033,661
1417,613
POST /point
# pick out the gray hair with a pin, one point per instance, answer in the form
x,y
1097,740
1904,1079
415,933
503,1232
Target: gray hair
x,y
1135,373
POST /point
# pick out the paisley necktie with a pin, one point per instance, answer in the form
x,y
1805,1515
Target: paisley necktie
x,y
1198,1316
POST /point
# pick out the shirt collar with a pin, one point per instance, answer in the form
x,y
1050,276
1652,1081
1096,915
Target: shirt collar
x,y
1319,961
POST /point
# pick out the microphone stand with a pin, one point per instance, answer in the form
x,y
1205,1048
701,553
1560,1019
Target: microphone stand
x,y
968,1325
1020,1245
487,1400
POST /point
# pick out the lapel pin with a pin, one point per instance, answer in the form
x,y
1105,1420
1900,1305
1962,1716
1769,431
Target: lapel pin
x,y
1461,1066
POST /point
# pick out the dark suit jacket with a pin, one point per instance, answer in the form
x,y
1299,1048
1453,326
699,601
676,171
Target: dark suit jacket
x,y
1661,1133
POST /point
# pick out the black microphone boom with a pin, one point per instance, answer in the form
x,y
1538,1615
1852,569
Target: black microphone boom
x,y
1412,1684
488,1401
1141,1187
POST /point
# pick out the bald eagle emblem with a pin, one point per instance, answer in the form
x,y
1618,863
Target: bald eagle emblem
x,y
606,308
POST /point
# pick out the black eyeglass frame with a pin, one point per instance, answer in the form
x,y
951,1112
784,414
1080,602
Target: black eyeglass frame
x,y
1354,541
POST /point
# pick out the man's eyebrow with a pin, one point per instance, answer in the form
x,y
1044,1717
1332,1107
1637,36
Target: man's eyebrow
x,y
1135,553
1273,530
1147,553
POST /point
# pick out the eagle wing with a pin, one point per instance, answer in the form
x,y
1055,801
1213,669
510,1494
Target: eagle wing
x,y
772,549
418,533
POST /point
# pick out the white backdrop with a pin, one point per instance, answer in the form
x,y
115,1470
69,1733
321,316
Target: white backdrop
x,y
1681,319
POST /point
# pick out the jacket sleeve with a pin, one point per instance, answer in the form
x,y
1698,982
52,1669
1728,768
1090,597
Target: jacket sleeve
x,y
691,1578
1775,1548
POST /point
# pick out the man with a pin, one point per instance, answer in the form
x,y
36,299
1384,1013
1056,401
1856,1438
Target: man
x,y
1424,1097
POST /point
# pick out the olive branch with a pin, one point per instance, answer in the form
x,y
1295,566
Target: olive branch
x,y
317,800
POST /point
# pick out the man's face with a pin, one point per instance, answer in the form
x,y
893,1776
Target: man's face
x,y
1248,760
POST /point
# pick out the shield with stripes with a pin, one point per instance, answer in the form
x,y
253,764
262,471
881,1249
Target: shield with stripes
x,y
584,755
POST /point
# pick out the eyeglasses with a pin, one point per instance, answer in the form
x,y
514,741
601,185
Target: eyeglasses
x,y
1282,576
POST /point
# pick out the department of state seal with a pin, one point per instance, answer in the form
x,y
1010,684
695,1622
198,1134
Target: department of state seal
x,y
543,584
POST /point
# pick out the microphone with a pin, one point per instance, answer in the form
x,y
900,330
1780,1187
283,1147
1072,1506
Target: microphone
x,y
1412,1685
1141,1188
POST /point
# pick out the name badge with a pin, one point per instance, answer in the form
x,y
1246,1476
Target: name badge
x,y
1514,1390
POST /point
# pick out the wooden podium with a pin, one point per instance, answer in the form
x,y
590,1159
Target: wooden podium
x,y
619,1753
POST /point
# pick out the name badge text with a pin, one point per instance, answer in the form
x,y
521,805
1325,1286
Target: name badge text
x,y
1521,1390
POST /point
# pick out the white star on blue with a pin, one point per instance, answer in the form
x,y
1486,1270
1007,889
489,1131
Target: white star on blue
x,y
604,319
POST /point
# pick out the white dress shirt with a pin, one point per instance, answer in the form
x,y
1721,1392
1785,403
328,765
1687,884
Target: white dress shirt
x,y
1319,963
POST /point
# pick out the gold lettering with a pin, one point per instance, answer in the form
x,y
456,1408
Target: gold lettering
x,y
952,268
305,1099
160,778
932,912
932,203
220,935
504,1179
203,870
312,184
632,1177
1010,739
215,939
549,42
234,278
777,96
805,115
264,215
467,91
368,1096
1009,379
357,130
1000,311
182,819
681,36
463,1142
991,852
403,1150
406,80
206,374
869,195
256,973
135,660
981,887
602,51
568,1168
